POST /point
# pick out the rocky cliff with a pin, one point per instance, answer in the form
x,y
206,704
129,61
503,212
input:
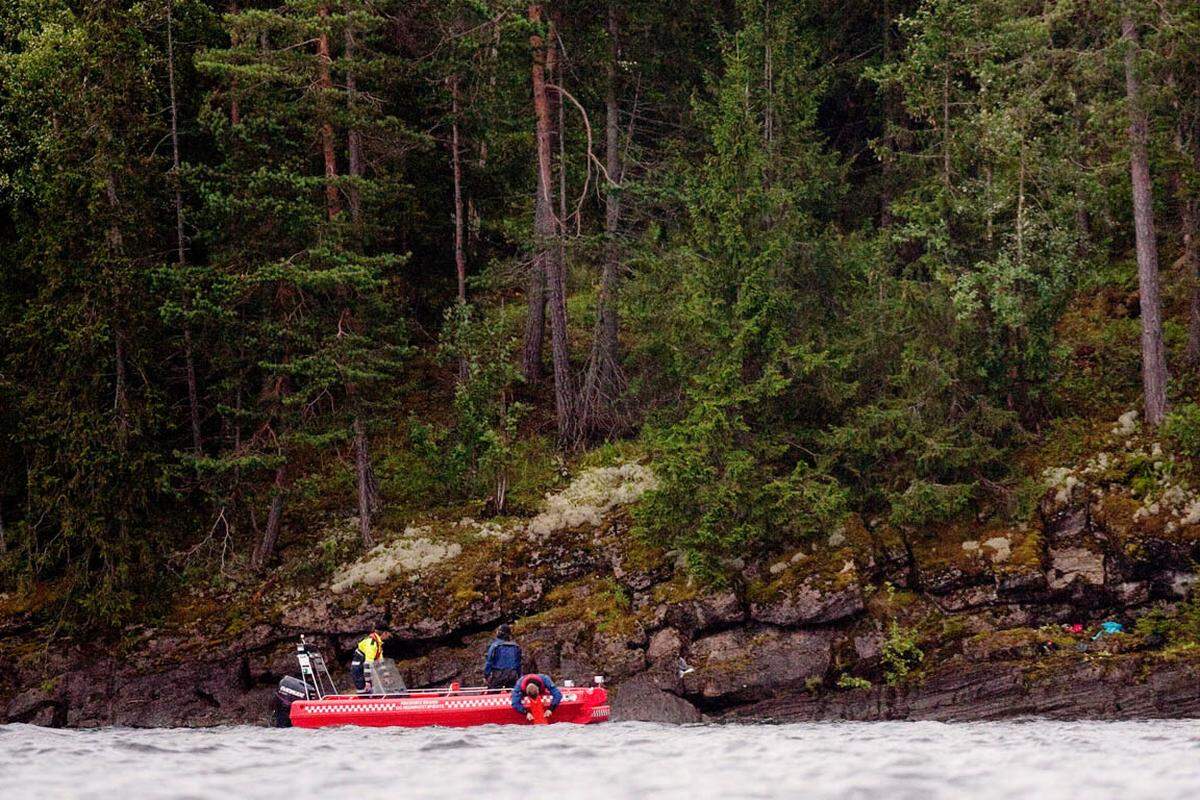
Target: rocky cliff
x,y
870,622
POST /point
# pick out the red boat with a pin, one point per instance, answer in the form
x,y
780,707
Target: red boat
x,y
312,701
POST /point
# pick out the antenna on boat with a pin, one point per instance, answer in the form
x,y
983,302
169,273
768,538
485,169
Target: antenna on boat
x,y
313,672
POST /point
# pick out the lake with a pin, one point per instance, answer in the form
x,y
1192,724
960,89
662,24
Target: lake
x,y
892,760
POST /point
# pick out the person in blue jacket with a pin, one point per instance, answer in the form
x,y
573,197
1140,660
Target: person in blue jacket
x,y
502,664
530,688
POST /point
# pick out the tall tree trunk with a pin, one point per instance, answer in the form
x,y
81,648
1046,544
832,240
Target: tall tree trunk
x,y
116,248
353,136
362,462
1190,222
120,392
1187,150
333,203
235,112
180,252
535,295
543,219
366,495
888,159
602,384
1154,365
460,253
266,546
946,126
547,230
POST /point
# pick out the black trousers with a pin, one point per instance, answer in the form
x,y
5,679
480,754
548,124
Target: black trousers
x,y
356,671
502,678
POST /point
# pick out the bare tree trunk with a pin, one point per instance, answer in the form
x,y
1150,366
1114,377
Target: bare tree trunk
x,y
460,254
1190,222
181,256
266,546
535,293
116,247
543,219
1186,131
546,232
120,394
602,384
1154,365
887,165
353,137
946,126
366,501
235,113
333,203
362,461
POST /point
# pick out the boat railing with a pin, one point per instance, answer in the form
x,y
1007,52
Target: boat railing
x,y
386,682
440,691
314,673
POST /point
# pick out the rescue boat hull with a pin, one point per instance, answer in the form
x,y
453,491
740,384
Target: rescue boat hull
x,y
451,709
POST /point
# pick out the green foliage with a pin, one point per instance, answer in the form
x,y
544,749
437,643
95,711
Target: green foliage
x,y
1182,430
740,320
863,261
924,502
847,681
474,452
900,654
1177,627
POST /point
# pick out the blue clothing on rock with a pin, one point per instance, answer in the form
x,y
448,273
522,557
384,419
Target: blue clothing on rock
x,y
518,692
502,654
1109,629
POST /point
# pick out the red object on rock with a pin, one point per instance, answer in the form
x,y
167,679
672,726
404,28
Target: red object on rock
x,y
462,708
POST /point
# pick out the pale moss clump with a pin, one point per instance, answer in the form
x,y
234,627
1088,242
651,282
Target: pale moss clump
x,y
1127,424
585,502
1000,548
592,495
1063,481
411,552
1134,468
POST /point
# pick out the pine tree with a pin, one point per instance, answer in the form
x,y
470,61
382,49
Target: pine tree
x,y
312,298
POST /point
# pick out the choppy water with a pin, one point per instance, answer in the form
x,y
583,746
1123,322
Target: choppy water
x,y
621,760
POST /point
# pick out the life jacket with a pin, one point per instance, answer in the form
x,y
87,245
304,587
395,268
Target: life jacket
x,y
371,647
535,705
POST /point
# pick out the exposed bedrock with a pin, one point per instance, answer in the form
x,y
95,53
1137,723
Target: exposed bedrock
x,y
794,640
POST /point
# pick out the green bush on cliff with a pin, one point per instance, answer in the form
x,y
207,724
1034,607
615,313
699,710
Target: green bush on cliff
x,y
1177,627
1182,430
846,681
900,654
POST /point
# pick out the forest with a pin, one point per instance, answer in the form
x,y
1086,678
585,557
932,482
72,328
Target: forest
x,y
266,263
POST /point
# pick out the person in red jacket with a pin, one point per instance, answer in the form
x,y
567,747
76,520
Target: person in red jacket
x,y
527,697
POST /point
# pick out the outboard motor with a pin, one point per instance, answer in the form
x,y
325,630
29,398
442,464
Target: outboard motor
x,y
290,690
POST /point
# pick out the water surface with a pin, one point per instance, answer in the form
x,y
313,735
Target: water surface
x,y
892,760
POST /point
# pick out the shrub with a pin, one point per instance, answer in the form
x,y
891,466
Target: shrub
x,y
845,681
475,453
1178,627
1182,429
900,654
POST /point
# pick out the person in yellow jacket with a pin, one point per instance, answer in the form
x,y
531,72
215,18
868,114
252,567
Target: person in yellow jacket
x,y
369,649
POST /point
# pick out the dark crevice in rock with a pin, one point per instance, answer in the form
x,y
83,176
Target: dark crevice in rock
x,y
207,697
